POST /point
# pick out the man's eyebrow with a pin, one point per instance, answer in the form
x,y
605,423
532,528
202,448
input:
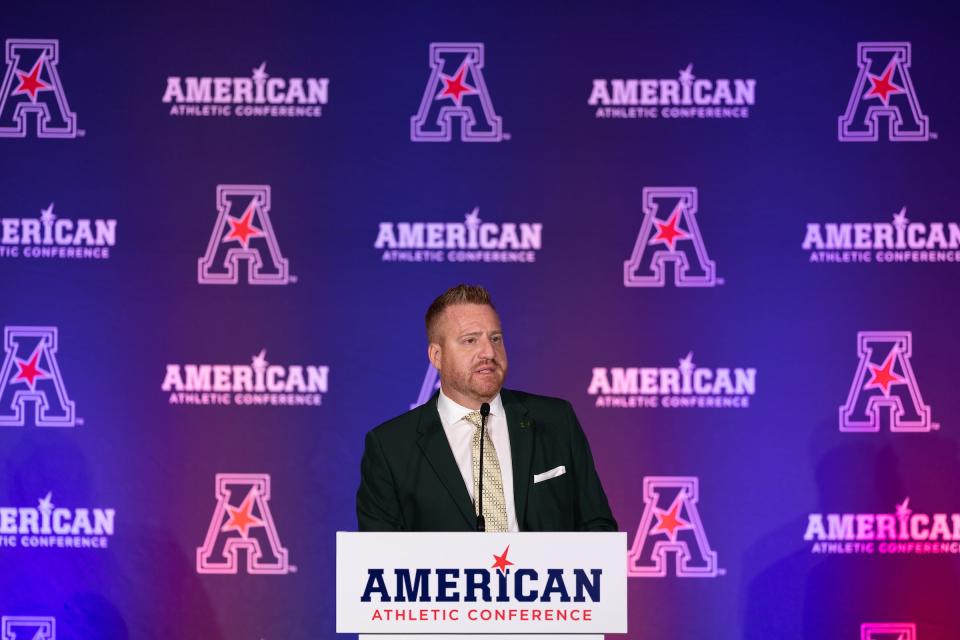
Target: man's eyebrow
x,y
472,333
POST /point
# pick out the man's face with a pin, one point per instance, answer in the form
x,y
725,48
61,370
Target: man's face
x,y
469,354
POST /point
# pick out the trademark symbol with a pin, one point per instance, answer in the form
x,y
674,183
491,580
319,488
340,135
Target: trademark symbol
x,y
721,572
934,136
935,426
506,136
293,569
81,133
80,422
721,281
293,279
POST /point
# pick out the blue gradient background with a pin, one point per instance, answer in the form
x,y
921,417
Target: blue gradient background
x,y
333,179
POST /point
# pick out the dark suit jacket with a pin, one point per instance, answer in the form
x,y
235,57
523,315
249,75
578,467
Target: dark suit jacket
x,y
409,479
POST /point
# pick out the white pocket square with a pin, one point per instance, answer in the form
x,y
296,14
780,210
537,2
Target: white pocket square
x,y
546,475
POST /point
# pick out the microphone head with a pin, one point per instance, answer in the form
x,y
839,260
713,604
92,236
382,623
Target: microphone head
x,y
485,409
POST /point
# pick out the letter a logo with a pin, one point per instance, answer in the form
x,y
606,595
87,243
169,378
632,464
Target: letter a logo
x,y
242,520
884,390
243,231
32,85
670,526
30,374
669,233
28,628
431,382
456,89
888,631
883,88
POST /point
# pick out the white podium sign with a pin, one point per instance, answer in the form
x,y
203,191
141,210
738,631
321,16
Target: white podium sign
x,y
481,583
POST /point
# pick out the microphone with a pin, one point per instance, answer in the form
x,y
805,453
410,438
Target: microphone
x,y
481,522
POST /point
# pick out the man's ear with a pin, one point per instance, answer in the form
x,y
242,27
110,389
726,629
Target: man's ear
x,y
433,353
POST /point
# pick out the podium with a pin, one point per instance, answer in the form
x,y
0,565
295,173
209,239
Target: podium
x,y
393,586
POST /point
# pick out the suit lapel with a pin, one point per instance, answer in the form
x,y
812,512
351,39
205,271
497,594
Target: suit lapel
x,y
521,450
436,449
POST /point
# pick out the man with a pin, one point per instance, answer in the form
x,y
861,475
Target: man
x,y
420,471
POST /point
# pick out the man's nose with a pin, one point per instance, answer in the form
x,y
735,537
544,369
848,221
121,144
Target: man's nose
x,y
486,348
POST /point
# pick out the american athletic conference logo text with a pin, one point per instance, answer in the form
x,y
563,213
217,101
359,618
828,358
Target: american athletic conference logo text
x,y
456,90
884,392
669,233
243,231
256,96
669,99
257,383
884,88
472,240
32,85
30,374
671,533
242,520
47,525
498,583
899,240
901,532
683,386
28,628
50,236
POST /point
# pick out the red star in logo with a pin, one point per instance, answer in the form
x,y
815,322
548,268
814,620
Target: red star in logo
x,y
31,83
670,521
883,87
883,376
242,229
500,562
240,517
668,232
30,371
455,87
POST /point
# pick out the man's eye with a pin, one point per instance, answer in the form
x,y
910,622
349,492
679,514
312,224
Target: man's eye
x,y
496,339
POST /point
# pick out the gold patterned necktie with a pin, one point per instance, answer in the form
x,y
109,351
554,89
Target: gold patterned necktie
x,y
494,504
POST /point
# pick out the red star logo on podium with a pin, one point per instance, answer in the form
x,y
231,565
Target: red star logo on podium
x,y
30,83
454,87
883,376
240,517
668,232
500,562
30,371
882,86
242,229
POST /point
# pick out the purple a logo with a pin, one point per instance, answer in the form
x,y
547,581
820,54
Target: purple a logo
x,y
243,230
28,628
669,233
888,631
30,373
883,88
242,520
456,89
32,85
671,525
431,382
884,389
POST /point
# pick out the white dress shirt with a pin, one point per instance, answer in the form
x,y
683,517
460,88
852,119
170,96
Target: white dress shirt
x,y
459,434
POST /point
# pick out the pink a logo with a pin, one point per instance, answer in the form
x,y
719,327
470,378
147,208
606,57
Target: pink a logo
x,y
243,231
670,526
884,390
669,233
32,85
456,89
28,628
888,631
431,382
883,88
30,374
242,520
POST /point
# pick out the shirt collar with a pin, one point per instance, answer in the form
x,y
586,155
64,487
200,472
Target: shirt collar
x,y
452,412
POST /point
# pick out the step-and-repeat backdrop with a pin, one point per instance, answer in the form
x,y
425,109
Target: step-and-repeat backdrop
x,y
727,234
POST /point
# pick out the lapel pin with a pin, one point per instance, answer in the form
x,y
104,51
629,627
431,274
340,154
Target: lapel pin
x,y
526,422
